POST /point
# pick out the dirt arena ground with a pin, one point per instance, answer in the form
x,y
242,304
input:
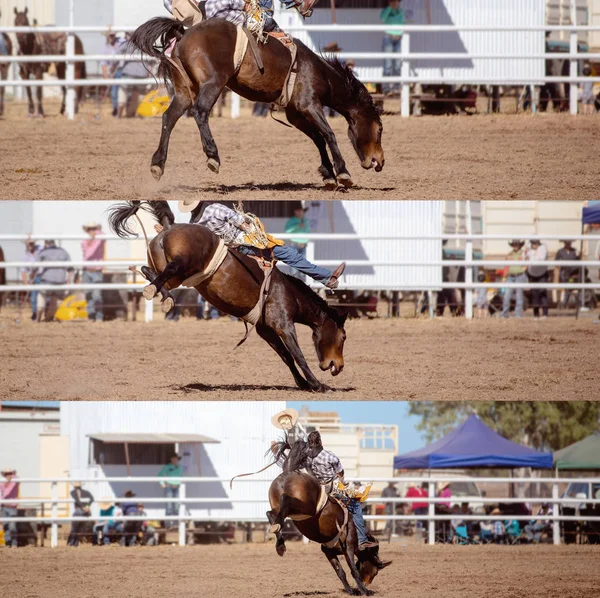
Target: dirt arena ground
x,y
398,359
255,571
547,156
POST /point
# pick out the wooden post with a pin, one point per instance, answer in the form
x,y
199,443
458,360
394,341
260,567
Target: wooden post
x,y
127,459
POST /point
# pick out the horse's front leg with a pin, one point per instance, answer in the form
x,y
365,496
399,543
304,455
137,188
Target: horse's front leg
x,y
337,567
290,340
168,301
178,107
349,555
207,96
315,115
40,93
25,76
172,269
309,129
270,336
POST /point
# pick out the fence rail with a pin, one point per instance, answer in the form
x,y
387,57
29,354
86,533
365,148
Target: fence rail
x,y
431,517
404,55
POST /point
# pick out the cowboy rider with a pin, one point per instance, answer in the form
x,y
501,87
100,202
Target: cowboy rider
x,y
287,420
230,226
327,468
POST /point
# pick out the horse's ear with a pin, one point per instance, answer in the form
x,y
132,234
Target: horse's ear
x,y
26,11
16,11
342,319
384,565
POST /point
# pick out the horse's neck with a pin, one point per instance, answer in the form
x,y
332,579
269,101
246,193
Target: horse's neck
x,y
26,43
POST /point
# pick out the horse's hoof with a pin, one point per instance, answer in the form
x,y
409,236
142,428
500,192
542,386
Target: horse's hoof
x,y
168,304
149,292
213,165
280,549
345,180
156,171
273,529
330,184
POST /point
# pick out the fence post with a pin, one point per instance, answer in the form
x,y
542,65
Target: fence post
x,y
235,105
573,73
149,313
181,511
555,513
70,66
405,72
54,512
431,513
469,269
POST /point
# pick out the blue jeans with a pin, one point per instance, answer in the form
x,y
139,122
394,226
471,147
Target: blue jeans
x,y
114,91
291,257
213,312
33,297
355,510
172,508
391,67
508,293
10,528
109,526
94,298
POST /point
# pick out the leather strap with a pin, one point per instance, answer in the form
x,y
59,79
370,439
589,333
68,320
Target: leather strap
x,y
255,51
341,529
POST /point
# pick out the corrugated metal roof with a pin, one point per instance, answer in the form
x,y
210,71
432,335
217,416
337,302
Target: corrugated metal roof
x,y
152,438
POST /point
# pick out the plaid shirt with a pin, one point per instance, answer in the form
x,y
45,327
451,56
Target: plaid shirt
x,y
223,221
325,466
230,10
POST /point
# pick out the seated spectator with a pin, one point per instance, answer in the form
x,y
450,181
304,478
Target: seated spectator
x,y
458,528
28,275
513,529
482,297
486,530
9,490
106,524
83,502
466,510
535,529
130,529
499,529
52,253
147,529
444,491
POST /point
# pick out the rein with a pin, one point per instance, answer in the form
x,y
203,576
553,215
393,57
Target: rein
x,y
243,475
147,243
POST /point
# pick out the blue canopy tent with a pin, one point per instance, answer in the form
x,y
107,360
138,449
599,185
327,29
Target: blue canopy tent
x,y
473,444
591,214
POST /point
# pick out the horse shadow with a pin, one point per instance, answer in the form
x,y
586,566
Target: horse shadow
x,y
199,387
314,593
275,187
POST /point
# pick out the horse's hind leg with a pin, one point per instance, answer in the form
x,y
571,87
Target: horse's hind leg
x,y
326,168
276,519
179,105
207,96
168,301
171,270
337,567
40,92
270,336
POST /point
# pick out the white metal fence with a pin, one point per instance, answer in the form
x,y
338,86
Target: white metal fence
x,y
469,263
405,55
185,516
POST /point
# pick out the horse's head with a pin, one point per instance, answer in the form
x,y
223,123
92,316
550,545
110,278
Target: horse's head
x,y
21,18
329,337
369,564
364,120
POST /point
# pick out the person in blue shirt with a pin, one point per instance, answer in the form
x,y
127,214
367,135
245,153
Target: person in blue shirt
x,y
392,14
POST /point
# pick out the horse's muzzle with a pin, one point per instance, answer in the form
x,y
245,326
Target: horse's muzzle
x,y
374,164
333,368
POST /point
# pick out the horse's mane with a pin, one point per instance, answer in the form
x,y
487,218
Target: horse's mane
x,y
353,87
296,458
314,299
120,213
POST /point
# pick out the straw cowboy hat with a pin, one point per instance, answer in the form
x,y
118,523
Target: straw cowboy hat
x,y
188,205
91,225
516,242
105,505
496,511
292,413
8,470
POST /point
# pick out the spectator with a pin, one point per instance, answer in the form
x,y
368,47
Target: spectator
x,y
147,529
418,507
172,471
83,501
29,275
130,529
93,251
587,92
455,523
9,490
566,273
53,275
444,491
514,274
446,297
390,491
129,95
260,109
105,523
392,14
486,530
536,528
110,68
499,529
537,275
466,510
482,298
298,223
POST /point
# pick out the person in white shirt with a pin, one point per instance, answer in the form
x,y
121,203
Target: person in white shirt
x,y
537,275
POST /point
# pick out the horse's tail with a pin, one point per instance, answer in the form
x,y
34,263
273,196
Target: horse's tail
x,y
161,30
120,214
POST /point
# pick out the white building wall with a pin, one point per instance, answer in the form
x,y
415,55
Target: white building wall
x,y
243,428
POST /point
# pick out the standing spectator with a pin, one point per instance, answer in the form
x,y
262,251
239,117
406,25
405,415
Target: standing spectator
x,y
537,275
587,92
83,502
392,14
566,273
482,297
446,297
9,490
129,95
171,471
390,491
298,223
444,491
418,507
93,251
29,275
110,70
515,274
53,275
537,527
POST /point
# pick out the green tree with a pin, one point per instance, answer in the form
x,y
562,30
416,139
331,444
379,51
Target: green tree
x,y
540,425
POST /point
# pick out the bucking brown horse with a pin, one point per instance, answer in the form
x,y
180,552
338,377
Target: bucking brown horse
x,y
32,44
204,55
297,495
185,250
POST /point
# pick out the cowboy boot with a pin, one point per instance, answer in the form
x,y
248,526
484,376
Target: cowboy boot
x,y
333,280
